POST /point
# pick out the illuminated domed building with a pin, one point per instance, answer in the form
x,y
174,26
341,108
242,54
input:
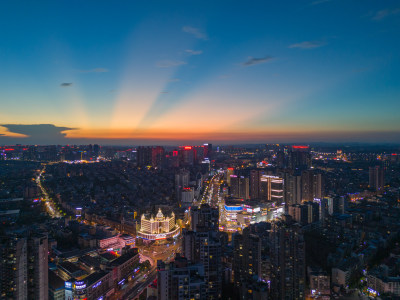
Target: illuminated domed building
x,y
158,228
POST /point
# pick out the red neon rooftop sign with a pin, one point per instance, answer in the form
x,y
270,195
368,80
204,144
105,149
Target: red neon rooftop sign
x,y
300,147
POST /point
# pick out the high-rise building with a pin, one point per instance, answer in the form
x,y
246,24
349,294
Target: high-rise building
x,y
187,155
144,156
247,257
202,245
299,157
24,266
229,172
292,188
240,187
38,280
187,196
181,181
180,280
376,178
204,218
312,185
271,188
13,268
255,176
287,260
157,156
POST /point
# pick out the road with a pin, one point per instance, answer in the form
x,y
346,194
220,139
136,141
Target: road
x,y
138,288
50,207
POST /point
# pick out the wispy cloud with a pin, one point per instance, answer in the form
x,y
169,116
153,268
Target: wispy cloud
x,y
251,61
308,45
66,84
95,70
319,2
196,32
382,14
164,92
169,63
193,52
174,80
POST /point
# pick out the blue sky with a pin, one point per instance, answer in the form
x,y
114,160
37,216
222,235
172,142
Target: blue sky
x,y
226,71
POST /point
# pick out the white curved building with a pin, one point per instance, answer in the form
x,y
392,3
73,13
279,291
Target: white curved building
x,y
158,228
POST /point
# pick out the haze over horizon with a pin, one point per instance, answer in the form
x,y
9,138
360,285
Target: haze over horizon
x,y
176,72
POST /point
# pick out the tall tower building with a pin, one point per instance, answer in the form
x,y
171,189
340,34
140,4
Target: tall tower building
x,y
292,188
13,268
24,266
229,172
271,188
38,281
181,181
180,280
255,176
144,156
204,218
312,185
202,246
240,187
376,178
299,157
287,261
247,257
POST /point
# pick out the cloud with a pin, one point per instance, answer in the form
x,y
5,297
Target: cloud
x,y
256,61
319,2
38,133
193,52
174,80
95,70
308,45
382,14
169,63
197,33
66,84
164,92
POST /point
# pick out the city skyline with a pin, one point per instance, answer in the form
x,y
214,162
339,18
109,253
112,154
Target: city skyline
x,y
169,73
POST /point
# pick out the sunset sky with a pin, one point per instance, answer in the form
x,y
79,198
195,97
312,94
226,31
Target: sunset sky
x,y
162,72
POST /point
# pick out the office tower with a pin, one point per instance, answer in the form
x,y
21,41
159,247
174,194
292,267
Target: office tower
x,y
287,260
38,282
204,218
247,257
240,187
312,185
299,157
271,188
376,178
229,172
13,268
180,280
